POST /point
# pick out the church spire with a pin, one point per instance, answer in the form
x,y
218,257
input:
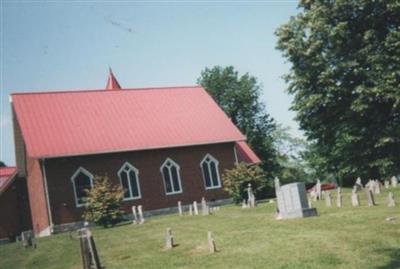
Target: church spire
x,y
112,82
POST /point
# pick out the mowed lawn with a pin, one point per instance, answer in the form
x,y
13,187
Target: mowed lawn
x,y
246,238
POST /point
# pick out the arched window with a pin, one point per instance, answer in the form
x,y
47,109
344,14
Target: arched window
x,y
129,178
209,167
82,180
172,179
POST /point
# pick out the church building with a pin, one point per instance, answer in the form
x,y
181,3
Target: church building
x,y
162,145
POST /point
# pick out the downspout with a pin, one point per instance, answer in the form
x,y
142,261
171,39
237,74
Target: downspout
x,y
46,191
234,151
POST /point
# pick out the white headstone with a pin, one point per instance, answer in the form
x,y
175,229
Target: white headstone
x,y
180,208
394,181
387,184
251,201
359,184
339,198
195,208
141,216
318,190
355,199
190,210
135,217
328,198
377,187
204,207
391,201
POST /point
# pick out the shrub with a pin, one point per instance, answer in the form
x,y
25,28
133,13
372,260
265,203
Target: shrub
x,y
103,204
237,179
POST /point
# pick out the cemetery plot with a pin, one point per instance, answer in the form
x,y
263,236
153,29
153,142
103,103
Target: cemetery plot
x,y
344,237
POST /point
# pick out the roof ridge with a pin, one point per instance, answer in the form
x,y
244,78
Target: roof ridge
x,y
102,90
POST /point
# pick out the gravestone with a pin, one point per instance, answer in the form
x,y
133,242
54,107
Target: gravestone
x,y
244,204
169,239
292,201
355,199
180,208
339,198
27,239
391,201
89,256
328,198
195,208
313,195
135,217
204,207
251,201
377,187
318,190
141,216
370,185
394,181
359,184
211,243
387,184
190,210
370,197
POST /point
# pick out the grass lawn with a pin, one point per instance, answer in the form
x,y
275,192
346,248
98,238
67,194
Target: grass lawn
x,y
251,238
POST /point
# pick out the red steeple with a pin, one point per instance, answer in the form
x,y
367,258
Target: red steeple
x,y
112,82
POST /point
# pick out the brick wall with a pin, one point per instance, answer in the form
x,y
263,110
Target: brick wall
x,y
37,198
9,221
14,210
60,170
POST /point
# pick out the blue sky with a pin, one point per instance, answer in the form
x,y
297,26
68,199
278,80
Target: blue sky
x,y
60,46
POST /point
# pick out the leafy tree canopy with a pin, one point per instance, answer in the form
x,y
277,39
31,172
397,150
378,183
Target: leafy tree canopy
x,y
345,77
2,164
239,97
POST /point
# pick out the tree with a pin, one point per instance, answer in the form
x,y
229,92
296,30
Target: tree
x,y
2,164
104,203
345,62
291,150
239,97
237,179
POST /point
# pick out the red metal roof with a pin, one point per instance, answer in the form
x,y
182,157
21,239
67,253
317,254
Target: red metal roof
x,y
6,176
112,82
70,123
245,153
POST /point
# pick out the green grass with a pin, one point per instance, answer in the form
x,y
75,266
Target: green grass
x,y
339,238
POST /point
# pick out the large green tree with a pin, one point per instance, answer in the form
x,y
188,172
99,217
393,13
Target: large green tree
x,y
239,97
345,77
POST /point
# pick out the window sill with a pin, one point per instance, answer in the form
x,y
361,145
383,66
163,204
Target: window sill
x,y
132,198
213,188
173,193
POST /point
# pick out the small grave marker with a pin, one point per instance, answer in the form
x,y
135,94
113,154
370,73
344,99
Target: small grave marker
x,y
328,198
141,216
190,210
180,208
355,199
90,258
394,181
196,209
370,197
339,198
134,213
211,243
391,201
169,239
